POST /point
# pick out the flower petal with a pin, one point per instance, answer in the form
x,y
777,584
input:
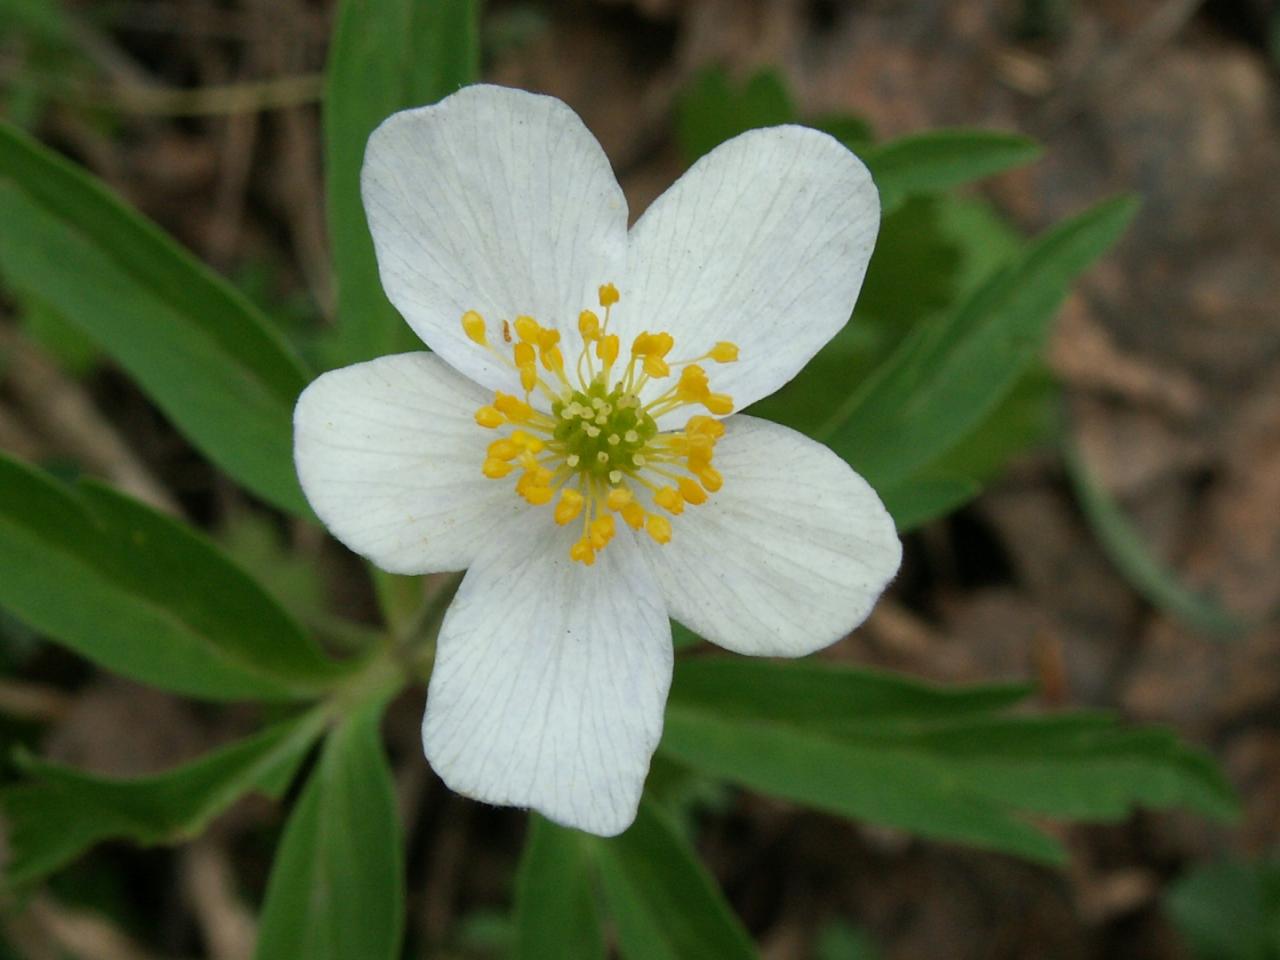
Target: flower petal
x,y
550,681
788,557
493,200
763,242
389,455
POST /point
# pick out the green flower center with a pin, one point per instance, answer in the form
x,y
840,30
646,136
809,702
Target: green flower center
x,y
602,430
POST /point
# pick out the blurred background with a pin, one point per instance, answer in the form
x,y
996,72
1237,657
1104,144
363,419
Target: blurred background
x,y
206,116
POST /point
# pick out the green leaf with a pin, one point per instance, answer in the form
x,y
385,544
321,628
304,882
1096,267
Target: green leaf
x,y
66,343
1025,417
922,497
1133,558
386,55
821,696
947,377
663,902
337,886
939,160
711,110
556,910
1229,910
62,812
939,764
145,596
201,351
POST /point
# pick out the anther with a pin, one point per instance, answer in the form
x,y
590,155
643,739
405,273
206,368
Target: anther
x,y
473,327
569,507
719,403
633,514
515,409
608,295
504,449
495,469
607,349
489,417
724,352
583,552
658,527
691,492
670,500
527,329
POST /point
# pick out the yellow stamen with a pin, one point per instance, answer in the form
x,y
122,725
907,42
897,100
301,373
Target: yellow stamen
x,y
602,529
587,445
569,507
553,360
691,492
658,527
719,403
633,514
607,349
527,441
583,552
504,449
669,499
513,408
473,327
495,469
527,329
724,352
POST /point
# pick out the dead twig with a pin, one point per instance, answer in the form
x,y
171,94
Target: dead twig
x,y
60,407
227,925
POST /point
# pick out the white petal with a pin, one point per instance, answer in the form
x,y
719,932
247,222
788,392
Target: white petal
x,y
550,681
493,200
389,455
763,242
788,557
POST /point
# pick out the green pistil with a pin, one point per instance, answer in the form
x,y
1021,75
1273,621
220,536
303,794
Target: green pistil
x,y
605,429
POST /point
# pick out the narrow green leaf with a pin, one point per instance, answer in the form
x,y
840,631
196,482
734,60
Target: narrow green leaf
x,y
948,376
898,788
923,497
941,764
201,351
939,160
1026,416
663,902
1133,558
144,595
61,812
1073,765
817,695
337,886
386,55
556,910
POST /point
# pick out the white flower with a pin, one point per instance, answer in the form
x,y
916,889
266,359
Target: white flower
x,y
565,444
